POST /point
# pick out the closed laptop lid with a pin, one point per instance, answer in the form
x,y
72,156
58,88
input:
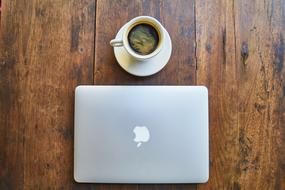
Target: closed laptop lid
x,y
141,134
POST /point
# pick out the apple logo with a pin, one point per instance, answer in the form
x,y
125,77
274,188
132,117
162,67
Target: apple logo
x,y
141,135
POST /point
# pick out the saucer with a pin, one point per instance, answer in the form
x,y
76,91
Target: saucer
x,y
146,67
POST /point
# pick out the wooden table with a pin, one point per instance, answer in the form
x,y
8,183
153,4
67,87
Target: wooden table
x,y
235,48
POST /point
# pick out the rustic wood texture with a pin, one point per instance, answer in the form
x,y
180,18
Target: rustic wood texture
x,y
240,57
46,49
235,48
178,18
216,68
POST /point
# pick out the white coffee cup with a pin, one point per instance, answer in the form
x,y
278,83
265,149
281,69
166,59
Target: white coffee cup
x,y
134,22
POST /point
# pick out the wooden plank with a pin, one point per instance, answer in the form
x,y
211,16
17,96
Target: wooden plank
x,y
240,58
216,68
261,126
178,18
11,141
46,49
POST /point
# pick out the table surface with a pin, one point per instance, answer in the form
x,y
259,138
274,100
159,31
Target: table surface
x,y
235,48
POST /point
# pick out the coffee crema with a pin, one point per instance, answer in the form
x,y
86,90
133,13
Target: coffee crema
x,y
143,39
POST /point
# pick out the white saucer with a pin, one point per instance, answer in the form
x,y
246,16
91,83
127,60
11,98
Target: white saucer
x,y
147,67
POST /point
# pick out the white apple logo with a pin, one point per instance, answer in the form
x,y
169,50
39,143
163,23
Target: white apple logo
x,y
141,135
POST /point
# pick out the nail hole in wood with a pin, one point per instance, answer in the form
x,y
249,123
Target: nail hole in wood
x,y
244,52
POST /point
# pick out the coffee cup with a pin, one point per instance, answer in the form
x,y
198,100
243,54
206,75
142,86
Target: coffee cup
x,y
143,38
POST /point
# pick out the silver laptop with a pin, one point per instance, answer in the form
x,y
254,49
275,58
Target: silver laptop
x,y
141,134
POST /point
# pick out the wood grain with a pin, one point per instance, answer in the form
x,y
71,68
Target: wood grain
x,y
178,18
240,57
235,48
216,68
46,49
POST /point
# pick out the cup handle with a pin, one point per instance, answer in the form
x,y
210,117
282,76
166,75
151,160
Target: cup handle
x,y
116,43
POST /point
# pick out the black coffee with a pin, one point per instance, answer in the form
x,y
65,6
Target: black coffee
x,y
143,39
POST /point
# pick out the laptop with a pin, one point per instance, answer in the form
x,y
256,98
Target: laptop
x,y
141,134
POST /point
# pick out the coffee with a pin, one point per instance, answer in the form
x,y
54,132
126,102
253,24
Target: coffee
x,y
143,39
